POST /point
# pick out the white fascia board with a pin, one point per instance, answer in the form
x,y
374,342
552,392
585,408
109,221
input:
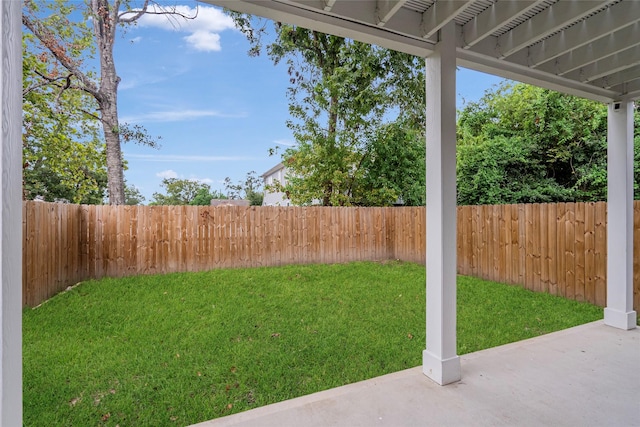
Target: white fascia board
x,y
317,20
611,43
508,70
615,18
545,23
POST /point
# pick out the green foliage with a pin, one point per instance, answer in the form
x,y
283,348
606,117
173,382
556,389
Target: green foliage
x,y
342,96
523,144
184,192
179,349
249,189
132,195
63,37
204,196
394,167
503,170
63,153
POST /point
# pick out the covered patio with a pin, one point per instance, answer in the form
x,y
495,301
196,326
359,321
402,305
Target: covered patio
x,y
587,375
588,48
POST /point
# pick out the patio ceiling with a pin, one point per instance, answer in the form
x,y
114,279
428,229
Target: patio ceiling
x,y
589,48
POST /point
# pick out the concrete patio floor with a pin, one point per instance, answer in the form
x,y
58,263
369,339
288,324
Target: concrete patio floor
x,y
584,376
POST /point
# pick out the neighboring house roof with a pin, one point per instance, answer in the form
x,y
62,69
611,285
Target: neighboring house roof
x,y
274,169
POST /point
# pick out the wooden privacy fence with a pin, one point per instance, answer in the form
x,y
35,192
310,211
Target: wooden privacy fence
x,y
555,248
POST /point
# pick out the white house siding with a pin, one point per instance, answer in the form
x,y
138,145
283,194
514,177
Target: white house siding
x,y
273,175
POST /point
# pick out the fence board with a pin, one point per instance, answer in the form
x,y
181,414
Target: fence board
x,y
589,252
558,248
543,232
600,254
579,252
569,254
552,248
494,210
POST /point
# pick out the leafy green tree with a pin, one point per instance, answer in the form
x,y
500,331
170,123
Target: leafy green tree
x,y
184,192
132,195
205,195
524,144
394,167
341,93
249,189
63,153
67,46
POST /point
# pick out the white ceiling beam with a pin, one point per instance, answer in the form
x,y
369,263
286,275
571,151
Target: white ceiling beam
x,y
592,52
441,13
328,5
616,17
607,65
545,23
492,19
618,78
386,9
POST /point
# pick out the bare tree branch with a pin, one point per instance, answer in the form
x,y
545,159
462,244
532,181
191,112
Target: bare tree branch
x,y
158,9
47,81
137,14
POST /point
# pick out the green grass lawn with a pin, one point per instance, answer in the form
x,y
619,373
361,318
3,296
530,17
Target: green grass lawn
x,y
182,348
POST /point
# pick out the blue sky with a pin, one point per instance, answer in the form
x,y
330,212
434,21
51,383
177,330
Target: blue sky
x,y
217,110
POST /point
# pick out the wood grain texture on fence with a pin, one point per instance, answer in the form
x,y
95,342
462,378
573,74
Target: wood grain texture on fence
x,y
555,248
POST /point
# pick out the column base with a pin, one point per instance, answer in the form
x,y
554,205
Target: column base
x,y
442,372
620,319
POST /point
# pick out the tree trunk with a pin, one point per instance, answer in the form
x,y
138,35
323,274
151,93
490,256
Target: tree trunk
x,y
115,176
104,30
333,129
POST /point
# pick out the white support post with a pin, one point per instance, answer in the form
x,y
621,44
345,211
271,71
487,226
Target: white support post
x,y
440,361
11,213
619,311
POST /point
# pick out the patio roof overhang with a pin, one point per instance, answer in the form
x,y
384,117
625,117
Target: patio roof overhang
x,y
588,48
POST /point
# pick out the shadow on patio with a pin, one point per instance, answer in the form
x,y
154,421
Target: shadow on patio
x,y
587,375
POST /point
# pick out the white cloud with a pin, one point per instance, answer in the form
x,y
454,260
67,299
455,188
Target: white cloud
x,y
204,41
136,77
202,30
170,173
201,180
183,158
179,116
167,174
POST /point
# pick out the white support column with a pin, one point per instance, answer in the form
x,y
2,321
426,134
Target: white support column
x,y
440,361
619,311
11,213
